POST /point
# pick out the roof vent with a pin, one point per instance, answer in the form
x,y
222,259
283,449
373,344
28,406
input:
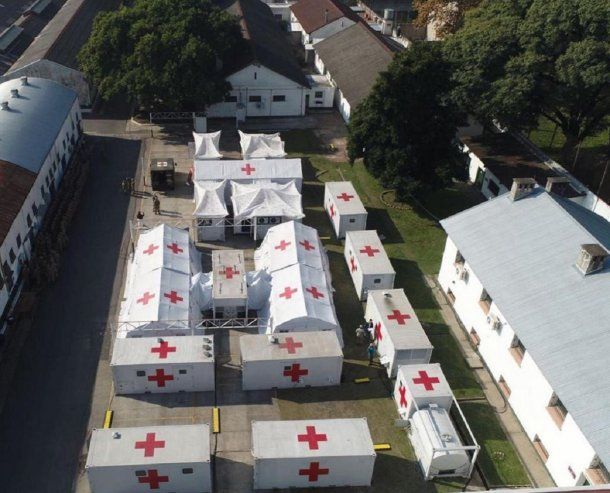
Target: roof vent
x,y
4,105
14,93
558,185
273,339
116,435
591,258
522,187
24,81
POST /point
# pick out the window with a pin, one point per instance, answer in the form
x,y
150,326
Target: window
x,y
319,94
451,296
140,473
459,259
504,386
28,219
517,349
557,411
279,98
140,373
255,75
255,99
35,208
465,275
187,470
11,255
1,282
182,372
230,99
474,337
18,241
42,189
485,302
352,220
376,281
494,189
64,143
541,449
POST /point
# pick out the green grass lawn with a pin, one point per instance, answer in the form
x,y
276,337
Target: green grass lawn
x,y
415,242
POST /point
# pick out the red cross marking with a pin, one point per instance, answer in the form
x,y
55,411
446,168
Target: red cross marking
x,y
399,317
312,438
315,293
282,245
378,334
150,444
426,380
403,398
290,345
288,292
332,210
151,249
153,479
352,264
370,251
314,471
160,377
229,272
306,245
345,196
248,169
175,248
295,372
173,297
163,349
146,297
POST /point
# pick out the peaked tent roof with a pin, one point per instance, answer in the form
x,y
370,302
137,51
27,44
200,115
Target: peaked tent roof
x,y
210,199
523,252
260,146
314,14
265,200
207,145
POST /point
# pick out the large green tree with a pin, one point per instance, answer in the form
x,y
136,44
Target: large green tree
x,y
405,128
515,60
164,54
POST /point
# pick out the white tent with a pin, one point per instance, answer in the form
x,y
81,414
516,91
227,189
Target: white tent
x,y
257,146
207,145
259,288
210,210
288,244
201,290
165,246
257,207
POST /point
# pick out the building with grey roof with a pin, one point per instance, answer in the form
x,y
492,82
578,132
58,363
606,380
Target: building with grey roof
x,y
528,274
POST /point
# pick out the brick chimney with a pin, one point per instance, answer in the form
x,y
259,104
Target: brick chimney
x,y
522,187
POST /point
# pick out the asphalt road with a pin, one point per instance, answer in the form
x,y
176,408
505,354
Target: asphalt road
x,y
44,421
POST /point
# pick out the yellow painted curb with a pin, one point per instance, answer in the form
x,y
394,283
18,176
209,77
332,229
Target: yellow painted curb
x,y
362,380
108,418
215,420
382,446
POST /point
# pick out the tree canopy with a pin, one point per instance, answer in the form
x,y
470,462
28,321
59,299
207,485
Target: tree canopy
x,y
446,15
515,60
164,54
405,128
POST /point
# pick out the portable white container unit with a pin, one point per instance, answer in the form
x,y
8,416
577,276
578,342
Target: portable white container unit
x,y
161,365
437,445
229,288
344,207
368,262
162,458
418,386
312,453
399,336
303,359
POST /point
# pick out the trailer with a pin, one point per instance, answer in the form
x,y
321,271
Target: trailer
x,y
164,458
367,262
163,365
344,207
312,453
302,359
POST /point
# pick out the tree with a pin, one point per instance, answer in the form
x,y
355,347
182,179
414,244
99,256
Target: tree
x,y
405,128
164,54
446,15
515,60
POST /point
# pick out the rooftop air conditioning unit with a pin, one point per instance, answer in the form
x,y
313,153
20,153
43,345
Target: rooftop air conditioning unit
x,y
274,220
262,220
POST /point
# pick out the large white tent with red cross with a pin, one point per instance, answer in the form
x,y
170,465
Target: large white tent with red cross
x,y
165,246
418,386
399,336
302,359
368,262
261,146
344,207
312,453
161,458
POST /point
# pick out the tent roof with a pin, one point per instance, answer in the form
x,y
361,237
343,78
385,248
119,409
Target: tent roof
x,y
207,146
257,146
269,169
163,246
210,199
265,200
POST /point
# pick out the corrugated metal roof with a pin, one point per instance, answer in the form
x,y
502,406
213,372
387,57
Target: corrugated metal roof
x,y
524,253
30,126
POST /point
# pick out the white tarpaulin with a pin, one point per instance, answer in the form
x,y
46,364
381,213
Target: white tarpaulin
x,y
257,146
207,145
165,246
266,200
210,199
201,290
259,288
291,243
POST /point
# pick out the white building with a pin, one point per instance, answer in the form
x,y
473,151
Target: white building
x,y
515,273
40,125
367,262
344,207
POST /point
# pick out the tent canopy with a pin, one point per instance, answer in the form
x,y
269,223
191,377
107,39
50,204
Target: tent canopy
x,y
207,145
165,246
210,199
247,171
257,146
266,200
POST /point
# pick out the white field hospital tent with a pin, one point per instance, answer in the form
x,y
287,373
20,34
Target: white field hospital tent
x,y
261,146
165,246
258,206
210,210
207,145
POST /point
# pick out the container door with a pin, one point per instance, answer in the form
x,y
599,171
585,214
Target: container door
x,y
125,387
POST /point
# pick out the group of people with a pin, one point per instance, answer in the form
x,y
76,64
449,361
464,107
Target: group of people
x,y
128,185
366,333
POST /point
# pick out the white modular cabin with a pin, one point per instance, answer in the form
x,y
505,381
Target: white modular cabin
x,y
437,445
229,288
344,207
399,336
368,262
163,365
418,386
162,458
312,453
210,210
304,359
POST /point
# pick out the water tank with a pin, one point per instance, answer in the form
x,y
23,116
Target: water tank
x,y
388,14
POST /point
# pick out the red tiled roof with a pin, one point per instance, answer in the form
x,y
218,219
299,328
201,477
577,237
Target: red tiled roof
x,y
314,14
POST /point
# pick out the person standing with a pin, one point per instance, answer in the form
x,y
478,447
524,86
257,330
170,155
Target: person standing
x,y
156,204
371,352
360,335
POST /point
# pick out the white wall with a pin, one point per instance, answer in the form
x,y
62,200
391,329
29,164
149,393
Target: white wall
x,y
319,64
260,82
38,197
321,96
530,391
331,28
